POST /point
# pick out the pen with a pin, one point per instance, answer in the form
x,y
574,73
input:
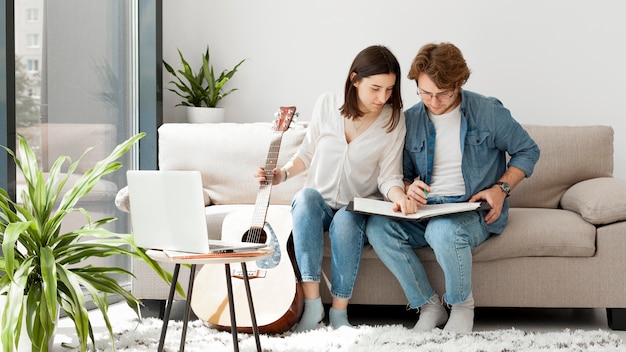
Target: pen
x,y
419,178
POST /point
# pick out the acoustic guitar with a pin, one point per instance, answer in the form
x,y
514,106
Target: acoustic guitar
x,y
276,291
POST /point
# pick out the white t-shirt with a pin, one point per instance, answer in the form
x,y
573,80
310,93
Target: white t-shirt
x,y
447,178
367,167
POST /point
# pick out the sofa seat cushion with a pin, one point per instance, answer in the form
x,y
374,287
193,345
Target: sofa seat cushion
x,y
531,232
536,232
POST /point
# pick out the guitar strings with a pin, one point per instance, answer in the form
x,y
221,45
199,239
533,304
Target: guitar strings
x,y
256,232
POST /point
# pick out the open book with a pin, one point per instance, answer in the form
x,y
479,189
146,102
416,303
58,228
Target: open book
x,y
379,207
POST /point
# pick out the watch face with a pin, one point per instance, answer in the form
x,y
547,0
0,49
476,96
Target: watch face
x,y
505,187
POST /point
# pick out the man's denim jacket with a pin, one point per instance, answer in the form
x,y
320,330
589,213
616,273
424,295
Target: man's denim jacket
x,y
488,133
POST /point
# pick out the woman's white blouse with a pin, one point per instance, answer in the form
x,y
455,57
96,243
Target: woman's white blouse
x,y
367,167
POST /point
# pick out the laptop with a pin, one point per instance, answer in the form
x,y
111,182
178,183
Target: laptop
x,y
168,214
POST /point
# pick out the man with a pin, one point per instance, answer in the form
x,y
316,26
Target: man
x,y
455,151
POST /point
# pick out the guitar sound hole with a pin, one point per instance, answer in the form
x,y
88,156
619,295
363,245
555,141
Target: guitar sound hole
x,y
255,235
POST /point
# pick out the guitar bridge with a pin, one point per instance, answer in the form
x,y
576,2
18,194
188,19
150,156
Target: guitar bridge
x,y
252,274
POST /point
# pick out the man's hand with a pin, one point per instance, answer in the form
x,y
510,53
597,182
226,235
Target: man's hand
x,y
418,191
495,197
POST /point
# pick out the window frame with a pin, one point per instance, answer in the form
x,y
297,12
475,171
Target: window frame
x,y
149,58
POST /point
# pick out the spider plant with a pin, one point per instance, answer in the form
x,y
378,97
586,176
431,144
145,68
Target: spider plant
x,y
42,268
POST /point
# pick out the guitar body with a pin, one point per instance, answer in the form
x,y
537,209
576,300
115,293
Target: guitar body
x,y
276,293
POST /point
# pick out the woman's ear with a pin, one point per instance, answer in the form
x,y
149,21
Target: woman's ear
x,y
352,75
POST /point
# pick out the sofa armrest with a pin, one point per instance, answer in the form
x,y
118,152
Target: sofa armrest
x,y
122,201
599,201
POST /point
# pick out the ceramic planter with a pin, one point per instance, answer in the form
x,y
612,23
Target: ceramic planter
x,y
204,115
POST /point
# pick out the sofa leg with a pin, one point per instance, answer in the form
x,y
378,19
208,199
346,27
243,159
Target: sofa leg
x,y
616,318
153,308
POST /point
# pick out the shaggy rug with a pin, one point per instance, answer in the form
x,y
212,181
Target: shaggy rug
x,y
144,336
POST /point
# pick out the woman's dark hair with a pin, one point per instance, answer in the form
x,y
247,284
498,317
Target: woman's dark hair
x,y
373,60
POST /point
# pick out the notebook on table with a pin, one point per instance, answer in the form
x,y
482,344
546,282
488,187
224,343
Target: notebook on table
x,y
168,214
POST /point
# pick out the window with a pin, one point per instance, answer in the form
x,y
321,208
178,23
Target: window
x,y
32,40
32,15
101,88
32,65
66,105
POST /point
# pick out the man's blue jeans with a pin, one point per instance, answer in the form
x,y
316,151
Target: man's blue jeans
x,y
451,237
311,217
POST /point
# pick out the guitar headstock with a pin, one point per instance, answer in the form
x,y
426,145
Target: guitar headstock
x,y
284,116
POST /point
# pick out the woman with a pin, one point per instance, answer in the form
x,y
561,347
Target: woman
x,y
353,148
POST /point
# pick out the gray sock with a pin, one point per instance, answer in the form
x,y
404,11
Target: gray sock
x,y
461,316
432,314
312,316
339,318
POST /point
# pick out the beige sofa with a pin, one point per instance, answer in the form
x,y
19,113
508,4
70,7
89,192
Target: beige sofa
x,y
564,245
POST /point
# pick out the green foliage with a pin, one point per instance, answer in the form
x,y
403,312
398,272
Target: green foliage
x,y
27,90
202,86
46,266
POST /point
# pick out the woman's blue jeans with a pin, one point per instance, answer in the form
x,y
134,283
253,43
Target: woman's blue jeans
x,y
451,237
311,217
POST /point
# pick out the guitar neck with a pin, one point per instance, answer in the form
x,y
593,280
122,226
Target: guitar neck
x,y
283,120
265,188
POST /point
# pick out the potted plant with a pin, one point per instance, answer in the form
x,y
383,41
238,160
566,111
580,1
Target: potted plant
x,y
202,88
42,268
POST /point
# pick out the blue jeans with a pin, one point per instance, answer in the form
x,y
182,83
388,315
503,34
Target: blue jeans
x,y
311,217
451,237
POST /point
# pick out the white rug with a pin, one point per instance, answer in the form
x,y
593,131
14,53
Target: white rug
x,y
139,337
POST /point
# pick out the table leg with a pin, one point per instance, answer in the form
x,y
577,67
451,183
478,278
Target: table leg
x,y
255,328
231,304
168,308
192,276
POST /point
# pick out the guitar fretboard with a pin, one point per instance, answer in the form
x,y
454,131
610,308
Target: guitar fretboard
x,y
265,188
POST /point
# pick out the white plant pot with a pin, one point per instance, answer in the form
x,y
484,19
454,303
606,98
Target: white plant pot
x,y
204,115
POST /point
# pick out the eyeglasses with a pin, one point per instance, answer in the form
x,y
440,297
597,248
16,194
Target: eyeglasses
x,y
443,97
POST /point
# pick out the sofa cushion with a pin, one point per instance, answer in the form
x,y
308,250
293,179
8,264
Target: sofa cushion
x,y
568,155
540,233
584,199
227,171
531,233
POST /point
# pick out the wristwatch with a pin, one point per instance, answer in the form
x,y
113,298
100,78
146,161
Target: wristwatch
x,y
505,187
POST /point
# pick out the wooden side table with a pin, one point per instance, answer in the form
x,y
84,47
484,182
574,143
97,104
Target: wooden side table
x,y
224,258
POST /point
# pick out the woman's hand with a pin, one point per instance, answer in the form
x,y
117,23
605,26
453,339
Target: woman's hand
x,y
401,202
262,177
406,206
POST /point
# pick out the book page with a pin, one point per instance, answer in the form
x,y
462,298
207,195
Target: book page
x,y
372,206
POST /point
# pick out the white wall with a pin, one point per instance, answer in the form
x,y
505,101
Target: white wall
x,y
553,62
